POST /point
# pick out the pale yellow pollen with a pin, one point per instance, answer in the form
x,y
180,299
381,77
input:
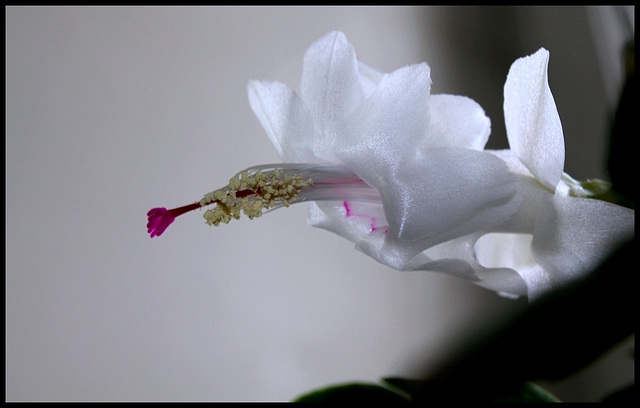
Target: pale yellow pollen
x,y
252,194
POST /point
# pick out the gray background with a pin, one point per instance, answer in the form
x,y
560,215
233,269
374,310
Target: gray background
x,y
112,111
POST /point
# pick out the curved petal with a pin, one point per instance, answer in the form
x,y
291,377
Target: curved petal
x,y
389,126
331,89
509,251
284,118
370,77
512,161
531,118
499,278
350,220
448,193
572,236
456,121
455,257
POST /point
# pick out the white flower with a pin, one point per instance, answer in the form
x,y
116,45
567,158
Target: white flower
x,y
403,174
571,234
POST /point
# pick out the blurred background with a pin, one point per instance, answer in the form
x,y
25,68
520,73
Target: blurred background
x,y
111,111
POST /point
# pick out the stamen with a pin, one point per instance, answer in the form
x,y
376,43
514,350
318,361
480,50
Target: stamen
x,y
251,192
261,189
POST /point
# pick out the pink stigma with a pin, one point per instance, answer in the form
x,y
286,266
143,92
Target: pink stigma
x,y
160,218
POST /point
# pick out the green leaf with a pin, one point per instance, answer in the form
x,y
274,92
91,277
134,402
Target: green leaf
x,y
527,392
404,386
405,390
353,392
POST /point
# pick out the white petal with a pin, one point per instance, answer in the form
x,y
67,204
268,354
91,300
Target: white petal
x,y
531,118
284,118
365,226
512,161
331,89
455,257
389,126
456,121
370,77
573,236
448,193
499,278
349,219
510,251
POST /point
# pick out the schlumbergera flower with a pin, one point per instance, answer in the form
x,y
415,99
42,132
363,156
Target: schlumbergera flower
x,y
404,175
